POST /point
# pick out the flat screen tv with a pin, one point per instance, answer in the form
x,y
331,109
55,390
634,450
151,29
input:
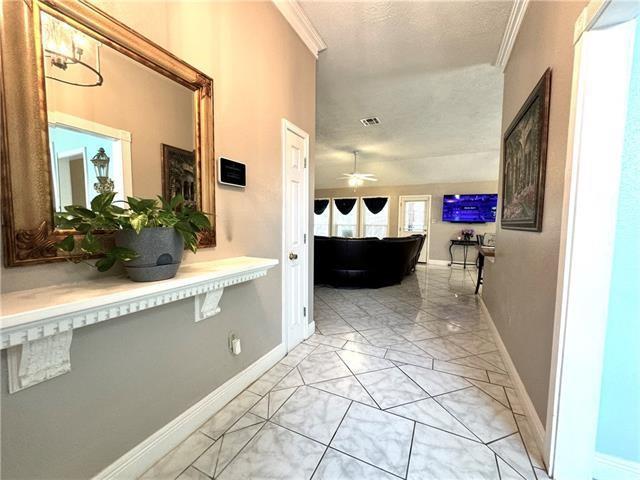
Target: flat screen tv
x,y
473,208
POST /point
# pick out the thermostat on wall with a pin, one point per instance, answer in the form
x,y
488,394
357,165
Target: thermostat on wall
x,y
232,173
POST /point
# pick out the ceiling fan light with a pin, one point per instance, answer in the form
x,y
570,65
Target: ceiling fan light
x,y
355,181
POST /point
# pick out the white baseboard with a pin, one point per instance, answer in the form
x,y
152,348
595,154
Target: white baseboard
x,y
445,263
139,459
530,411
311,329
608,467
432,261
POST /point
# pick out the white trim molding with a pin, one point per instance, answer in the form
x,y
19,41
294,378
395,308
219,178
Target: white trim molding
x,y
293,13
311,329
608,467
511,32
530,411
601,71
139,459
442,263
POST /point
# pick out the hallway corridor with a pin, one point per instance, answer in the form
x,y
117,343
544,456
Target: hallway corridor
x,y
400,382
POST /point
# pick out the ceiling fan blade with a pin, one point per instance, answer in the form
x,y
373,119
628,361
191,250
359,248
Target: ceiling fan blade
x,y
371,179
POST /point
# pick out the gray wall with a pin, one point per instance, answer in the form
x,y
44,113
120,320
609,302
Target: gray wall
x,y
132,375
520,287
440,232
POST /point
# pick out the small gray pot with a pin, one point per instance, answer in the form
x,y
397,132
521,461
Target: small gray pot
x,y
159,252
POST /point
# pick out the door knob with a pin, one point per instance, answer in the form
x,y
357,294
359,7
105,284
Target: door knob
x,y
293,256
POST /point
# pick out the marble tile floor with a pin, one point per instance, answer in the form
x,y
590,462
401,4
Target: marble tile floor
x,y
400,382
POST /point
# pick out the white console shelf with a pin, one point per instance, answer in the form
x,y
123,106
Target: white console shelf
x,y
37,325
30,315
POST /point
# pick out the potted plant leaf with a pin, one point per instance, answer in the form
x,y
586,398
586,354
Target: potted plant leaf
x,y
150,234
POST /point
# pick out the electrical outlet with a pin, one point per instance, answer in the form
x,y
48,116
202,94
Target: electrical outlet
x,y
234,344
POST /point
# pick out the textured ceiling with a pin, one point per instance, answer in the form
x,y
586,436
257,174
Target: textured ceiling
x,y
424,68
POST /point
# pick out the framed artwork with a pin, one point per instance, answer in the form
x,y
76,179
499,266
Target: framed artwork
x,y
524,161
179,174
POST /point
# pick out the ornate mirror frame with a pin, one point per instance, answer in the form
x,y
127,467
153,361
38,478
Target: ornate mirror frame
x,y
27,208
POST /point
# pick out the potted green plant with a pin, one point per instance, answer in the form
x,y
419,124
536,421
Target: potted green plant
x,y
150,235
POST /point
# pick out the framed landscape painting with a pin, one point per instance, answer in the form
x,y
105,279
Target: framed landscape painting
x,y
524,161
179,174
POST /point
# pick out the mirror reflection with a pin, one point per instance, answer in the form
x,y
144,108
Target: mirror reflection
x,y
108,130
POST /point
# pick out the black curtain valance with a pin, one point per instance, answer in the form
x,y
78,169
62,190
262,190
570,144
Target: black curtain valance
x,y
345,205
319,206
375,204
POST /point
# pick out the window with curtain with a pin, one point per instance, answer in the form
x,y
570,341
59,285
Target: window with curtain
x,y
375,217
345,217
321,216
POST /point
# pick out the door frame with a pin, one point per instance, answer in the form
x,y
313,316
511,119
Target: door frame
x,y
288,126
596,127
429,199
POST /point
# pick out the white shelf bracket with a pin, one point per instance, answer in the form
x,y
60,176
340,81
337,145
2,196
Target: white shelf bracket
x,y
207,304
38,360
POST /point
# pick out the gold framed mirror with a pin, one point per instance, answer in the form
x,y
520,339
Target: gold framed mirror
x,y
87,105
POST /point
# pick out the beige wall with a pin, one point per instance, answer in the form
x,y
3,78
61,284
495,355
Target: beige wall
x,y
520,287
134,98
133,375
441,232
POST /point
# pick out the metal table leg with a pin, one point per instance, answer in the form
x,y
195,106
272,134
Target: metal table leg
x,y
450,253
480,268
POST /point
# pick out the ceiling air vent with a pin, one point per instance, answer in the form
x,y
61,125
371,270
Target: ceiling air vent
x,y
368,122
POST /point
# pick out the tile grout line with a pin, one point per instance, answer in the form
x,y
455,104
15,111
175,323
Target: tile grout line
x,y
512,467
364,461
406,301
454,416
413,435
495,457
331,439
358,380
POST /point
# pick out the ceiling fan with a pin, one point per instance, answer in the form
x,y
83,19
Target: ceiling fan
x,y
355,178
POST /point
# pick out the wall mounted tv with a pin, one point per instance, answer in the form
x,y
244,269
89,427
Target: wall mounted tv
x,y
473,208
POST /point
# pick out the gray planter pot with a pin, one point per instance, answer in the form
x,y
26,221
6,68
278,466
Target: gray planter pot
x,y
159,249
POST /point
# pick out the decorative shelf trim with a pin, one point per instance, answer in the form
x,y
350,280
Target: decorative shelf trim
x,y
30,325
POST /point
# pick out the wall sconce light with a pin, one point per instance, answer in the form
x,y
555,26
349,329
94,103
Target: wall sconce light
x,y
101,164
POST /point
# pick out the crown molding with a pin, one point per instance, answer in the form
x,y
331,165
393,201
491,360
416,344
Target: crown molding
x,y
516,16
293,13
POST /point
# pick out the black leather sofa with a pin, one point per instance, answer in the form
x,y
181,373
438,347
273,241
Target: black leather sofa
x,y
365,262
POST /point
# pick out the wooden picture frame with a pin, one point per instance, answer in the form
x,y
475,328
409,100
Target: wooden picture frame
x,y
524,159
29,235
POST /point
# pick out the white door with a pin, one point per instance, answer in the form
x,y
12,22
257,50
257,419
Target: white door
x,y
414,215
295,258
